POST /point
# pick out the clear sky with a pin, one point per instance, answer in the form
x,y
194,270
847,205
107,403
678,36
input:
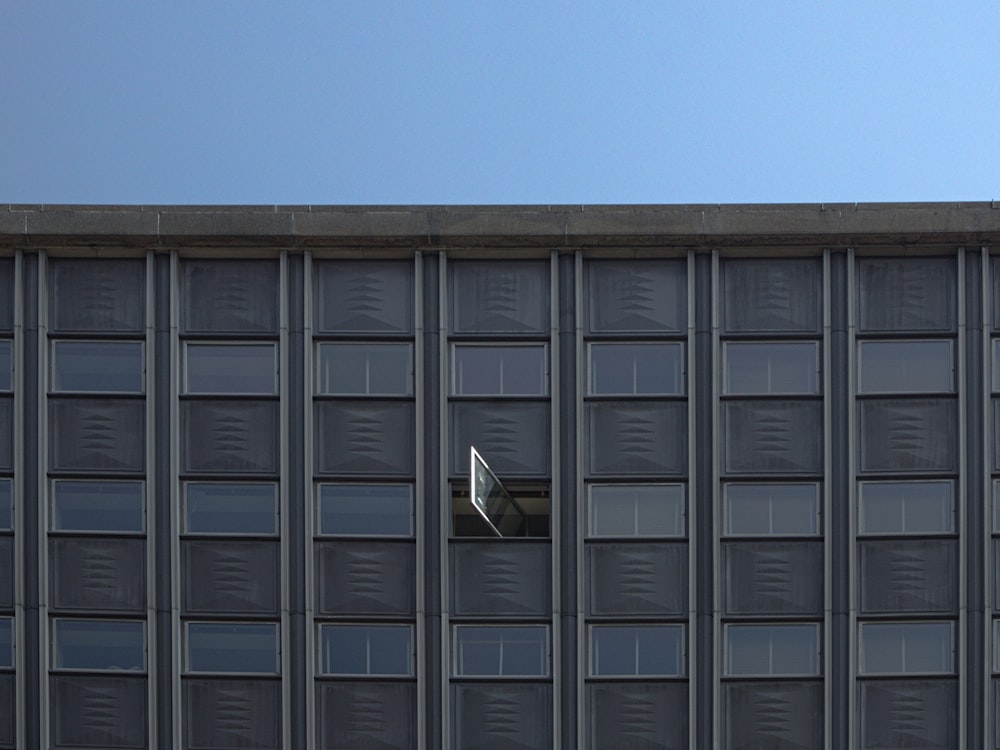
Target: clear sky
x,y
482,101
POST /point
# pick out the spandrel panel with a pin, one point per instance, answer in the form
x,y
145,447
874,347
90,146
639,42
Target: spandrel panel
x,y
637,296
643,716
908,575
97,435
242,713
364,578
772,437
771,295
908,713
780,715
227,576
229,437
97,295
637,578
365,437
513,437
773,577
498,578
520,716
906,294
363,714
99,712
900,435
363,297
226,296
629,438
97,574
500,297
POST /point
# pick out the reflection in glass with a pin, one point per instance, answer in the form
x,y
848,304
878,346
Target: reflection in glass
x,y
906,507
620,650
373,509
364,369
890,648
232,647
89,505
771,509
486,650
499,371
637,510
6,365
232,368
99,644
97,366
772,367
635,369
905,367
231,508
772,650
367,649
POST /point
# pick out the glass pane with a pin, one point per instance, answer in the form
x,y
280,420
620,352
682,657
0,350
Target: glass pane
x,y
779,367
794,650
639,650
635,369
224,508
6,517
99,644
613,651
6,365
364,369
637,510
905,366
888,648
226,647
499,371
906,507
232,368
771,509
97,366
772,650
6,642
501,651
367,649
97,506
996,506
996,365
365,509
748,650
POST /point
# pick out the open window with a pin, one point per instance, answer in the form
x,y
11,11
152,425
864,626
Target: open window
x,y
490,509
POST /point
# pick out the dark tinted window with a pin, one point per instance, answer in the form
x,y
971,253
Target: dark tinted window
x,y
232,368
232,647
367,649
364,369
499,371
97,366
371,509
97,506
99,644
231,508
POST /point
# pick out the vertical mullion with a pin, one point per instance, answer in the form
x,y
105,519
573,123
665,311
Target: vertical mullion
x,y
30,516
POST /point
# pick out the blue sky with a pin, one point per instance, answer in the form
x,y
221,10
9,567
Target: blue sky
x,y
370,101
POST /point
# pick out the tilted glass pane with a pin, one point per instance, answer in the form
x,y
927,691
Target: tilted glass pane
x,y
231,508
372,509
99,644
82,505
906,507
232,647
232,368
771,509
6,516
637,510
635,369
499,371
97,366
367,649
905,366
6,365
6,642
772,367
364,369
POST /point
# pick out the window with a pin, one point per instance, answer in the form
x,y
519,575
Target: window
x,y
231,368
636,650
364,369
532,520
637,510
6,516
996,506
484,370
366,509
772,650
905,367
230,508
897,648
366,649
996,645
905,507
84,505
232,647
501,651
99,645
771,367
636,369
97,366
6,365
771,509
6,642
996,365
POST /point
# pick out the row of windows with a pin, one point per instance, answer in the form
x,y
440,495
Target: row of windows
x,y
501,650
752,368
653,510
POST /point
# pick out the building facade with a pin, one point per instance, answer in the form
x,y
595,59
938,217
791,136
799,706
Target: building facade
x,y
758,448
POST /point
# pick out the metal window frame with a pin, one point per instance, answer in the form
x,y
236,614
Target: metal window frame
x,y
53,363
367,392
321,651
681,368
186,345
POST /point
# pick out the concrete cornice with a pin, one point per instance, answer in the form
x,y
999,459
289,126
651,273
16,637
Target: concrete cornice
x,y
552,227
